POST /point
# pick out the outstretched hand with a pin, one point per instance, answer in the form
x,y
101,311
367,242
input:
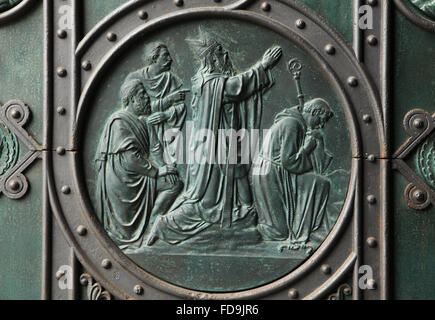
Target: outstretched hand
x,y
157,118
271,57
177,96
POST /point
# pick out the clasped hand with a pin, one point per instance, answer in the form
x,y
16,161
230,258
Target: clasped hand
x,y
170,173
313,139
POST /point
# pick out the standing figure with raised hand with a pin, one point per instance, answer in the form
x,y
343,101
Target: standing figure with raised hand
x,y
217,190
168,111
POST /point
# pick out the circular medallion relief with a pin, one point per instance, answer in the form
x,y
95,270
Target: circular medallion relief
x,y
217,154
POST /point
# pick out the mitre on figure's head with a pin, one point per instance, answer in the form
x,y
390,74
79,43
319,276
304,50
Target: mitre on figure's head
x,y
204,45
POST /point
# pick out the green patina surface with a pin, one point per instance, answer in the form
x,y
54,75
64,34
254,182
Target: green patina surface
x,y
97,10
21,68
21,65
208,255
20,241
21,56
414,87
338,13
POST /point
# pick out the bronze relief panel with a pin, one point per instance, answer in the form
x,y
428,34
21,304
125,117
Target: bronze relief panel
x,y
265,171
215,152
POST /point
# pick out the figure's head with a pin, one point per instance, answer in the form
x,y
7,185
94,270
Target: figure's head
x,y
157,53
316,113
212,55
135,99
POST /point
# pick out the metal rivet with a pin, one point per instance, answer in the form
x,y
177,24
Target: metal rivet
x,y
326,269
142,14
300,24
265,6
61,72
81,230
86,65
372,2
367,118
138,290
61,110
371,199
60,151
61,33
418,124
66,190
330,49
106,264
179,3
372,40
352,81
347,291
419,195
372,242
14,185
293,294
371,158
84,280
15,113
111,36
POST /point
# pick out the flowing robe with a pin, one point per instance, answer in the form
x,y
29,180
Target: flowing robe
x,y
215,191
290,194
126,184
158,88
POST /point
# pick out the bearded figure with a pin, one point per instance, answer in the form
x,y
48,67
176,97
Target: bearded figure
x,y
168,111
217,191
133,185
290,189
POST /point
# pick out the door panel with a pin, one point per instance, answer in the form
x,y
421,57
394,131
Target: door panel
x,y
66,71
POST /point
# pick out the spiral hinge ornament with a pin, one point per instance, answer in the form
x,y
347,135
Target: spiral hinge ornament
x,y
420,126
14,115
343,291
94,289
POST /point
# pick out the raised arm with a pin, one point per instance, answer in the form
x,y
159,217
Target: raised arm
x,y
242,86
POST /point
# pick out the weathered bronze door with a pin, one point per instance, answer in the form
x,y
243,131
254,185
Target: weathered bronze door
x,y
217,149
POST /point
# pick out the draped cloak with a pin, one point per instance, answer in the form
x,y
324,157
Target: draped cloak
x,y
126,184
158,88
289,191
216,192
